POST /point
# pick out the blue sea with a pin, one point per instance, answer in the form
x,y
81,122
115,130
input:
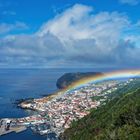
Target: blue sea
x,y
26,83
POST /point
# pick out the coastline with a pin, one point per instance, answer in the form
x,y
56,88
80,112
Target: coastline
x,y
81,76
57,111
45,84
50,106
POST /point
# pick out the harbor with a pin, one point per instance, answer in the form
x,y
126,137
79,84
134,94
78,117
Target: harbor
x,y
54,116
6,127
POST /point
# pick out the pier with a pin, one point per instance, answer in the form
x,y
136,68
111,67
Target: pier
x,y
17,129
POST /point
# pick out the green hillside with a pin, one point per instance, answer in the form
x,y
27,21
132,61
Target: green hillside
x,y
119,119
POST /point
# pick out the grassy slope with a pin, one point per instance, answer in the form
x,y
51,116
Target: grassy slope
x,y
119,119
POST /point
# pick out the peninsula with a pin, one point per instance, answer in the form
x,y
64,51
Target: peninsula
x,y
68,78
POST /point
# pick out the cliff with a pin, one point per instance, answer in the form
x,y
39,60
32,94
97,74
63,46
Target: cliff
x,y
69,78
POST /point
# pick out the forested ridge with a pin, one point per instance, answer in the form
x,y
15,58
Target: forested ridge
x,y
119,119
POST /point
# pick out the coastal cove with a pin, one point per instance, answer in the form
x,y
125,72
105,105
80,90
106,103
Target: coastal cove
x,y
18,84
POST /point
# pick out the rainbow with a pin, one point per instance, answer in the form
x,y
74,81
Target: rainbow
x,y
104,76
93,79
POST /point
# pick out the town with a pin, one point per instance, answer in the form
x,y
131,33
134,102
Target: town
x,y
57,114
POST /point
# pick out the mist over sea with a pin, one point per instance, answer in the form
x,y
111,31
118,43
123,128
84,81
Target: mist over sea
x,y
27,83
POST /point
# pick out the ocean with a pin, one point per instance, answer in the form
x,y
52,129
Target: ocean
x,y
26,83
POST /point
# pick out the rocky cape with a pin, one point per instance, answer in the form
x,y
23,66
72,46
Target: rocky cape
x,y
68,78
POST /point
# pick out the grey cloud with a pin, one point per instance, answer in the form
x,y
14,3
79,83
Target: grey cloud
x,y
76,37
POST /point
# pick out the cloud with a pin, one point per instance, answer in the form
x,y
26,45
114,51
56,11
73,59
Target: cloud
x,y
12,13
130,2
6,28
77,37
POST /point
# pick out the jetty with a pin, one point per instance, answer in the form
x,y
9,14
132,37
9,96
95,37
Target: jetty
x,y
6,129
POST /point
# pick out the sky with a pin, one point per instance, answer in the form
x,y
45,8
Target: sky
x,y
70,34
